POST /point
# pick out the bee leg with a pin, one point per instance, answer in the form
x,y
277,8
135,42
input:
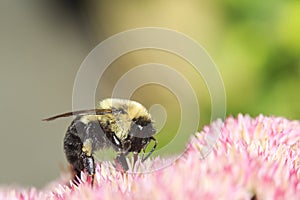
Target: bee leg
x,y
89,166
88,159
135,157
121,162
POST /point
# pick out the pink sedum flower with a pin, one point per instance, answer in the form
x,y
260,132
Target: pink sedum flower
x,y
240,158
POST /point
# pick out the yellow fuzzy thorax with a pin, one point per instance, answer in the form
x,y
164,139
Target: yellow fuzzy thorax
x,y
133,108
120,122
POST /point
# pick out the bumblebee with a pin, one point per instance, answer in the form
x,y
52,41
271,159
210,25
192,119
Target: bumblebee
x,y
124,125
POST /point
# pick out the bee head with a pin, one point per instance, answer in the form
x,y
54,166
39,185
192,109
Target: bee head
x,y
132,117
142,127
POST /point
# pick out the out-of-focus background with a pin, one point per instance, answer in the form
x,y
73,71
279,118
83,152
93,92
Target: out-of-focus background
x,y
255,44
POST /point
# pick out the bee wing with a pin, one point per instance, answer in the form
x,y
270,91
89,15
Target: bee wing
x,y
81,112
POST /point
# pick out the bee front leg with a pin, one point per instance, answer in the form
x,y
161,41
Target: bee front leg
x,y
135,157
121,162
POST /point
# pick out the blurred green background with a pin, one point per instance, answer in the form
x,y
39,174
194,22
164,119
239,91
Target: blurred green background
x,y
255,44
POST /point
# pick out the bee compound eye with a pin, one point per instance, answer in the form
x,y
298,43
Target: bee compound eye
x,y
140,127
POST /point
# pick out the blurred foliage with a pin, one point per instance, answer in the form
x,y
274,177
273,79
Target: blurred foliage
x,y
255,44
264,36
